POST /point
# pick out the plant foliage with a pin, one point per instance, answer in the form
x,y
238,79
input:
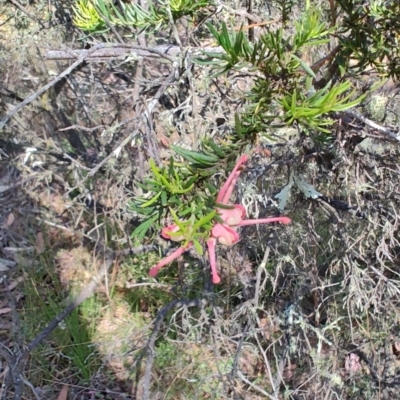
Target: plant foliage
x,y
286,89
95,16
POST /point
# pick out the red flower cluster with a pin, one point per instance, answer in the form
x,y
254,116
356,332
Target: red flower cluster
x,y
225,232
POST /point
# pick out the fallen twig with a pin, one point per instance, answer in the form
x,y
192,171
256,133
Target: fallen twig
x,y
386,131
118,50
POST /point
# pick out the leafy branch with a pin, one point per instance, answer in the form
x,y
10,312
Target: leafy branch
x,y
92,15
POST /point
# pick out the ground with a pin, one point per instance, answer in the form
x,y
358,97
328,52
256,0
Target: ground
x,y
304,311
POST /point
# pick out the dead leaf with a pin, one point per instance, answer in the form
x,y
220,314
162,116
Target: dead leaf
x,y
14,284
269,327
5,310
165,141
63,393
396,347
4,188
289,371
10,219
3,267
8,263
40,246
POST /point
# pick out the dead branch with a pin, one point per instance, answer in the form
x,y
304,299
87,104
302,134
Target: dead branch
x,y
386,131
119,50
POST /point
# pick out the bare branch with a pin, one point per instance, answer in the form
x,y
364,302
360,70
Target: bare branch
x,y
119,50
386,131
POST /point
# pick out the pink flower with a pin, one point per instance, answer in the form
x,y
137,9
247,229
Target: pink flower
x,y
226,232
169,232
154,271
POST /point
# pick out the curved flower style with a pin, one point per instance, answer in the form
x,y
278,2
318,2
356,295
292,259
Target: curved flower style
x,y
225,232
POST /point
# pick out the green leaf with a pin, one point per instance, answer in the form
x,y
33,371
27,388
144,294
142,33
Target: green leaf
x,y
305,66
197,245
201,222
164,200
140,232
151,201
195,157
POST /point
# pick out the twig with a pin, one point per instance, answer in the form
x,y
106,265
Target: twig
x,y
78,164
46,87
118,50
174,29
261,267
137,91
324,60
8,355
255,387
268,367
250,26
82,128
18,342
108,23
147,115
149,350
239,351
386,131
255,25
27,383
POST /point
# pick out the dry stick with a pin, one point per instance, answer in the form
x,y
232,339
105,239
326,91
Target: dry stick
x,y
250,27
172,23
8,355
27,383
157,325
136,93
147,115
268,367
261,267
255,25
16,333
77,163
119,50
83,128
386,131
255,387
63,74
238,352
108,23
